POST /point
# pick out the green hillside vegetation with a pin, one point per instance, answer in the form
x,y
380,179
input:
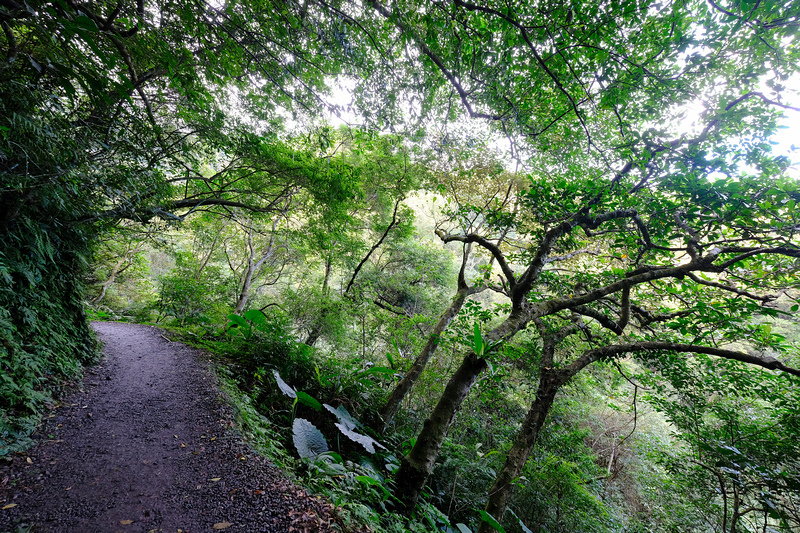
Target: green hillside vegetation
x,y
544,280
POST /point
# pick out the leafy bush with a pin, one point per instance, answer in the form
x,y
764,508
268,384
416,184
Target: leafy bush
x,y
194,297
288,383
262,341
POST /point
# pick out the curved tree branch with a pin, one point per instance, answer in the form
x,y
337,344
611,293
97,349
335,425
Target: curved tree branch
x,y
490,246
375,246
615,350
765,299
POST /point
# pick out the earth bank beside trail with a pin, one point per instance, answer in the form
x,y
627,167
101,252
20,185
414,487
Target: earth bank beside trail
x,y
146,445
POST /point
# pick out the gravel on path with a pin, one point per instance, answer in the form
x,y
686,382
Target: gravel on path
x,y
147,445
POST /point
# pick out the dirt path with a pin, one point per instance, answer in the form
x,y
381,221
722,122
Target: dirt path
x,y
147,445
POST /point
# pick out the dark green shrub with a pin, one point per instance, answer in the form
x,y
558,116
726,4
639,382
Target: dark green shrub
x,y
44,336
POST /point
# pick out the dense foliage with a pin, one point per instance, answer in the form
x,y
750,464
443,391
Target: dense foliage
x,y
603,339
43,258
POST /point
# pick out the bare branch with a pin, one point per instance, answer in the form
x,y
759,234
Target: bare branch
x,y
766,100
485,243
646,318
377,245
765,299
615,350
602,319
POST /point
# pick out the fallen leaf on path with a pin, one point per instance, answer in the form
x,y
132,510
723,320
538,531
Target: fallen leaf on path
x,y
126,522
9,506
28,460
215,479
222,525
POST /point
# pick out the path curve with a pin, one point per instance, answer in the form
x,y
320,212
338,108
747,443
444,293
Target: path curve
x,y
147,445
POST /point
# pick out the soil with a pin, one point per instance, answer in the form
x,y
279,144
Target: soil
x,y
147,444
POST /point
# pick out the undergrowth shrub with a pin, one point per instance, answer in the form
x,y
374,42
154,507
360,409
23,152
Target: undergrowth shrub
x,y
317,407
266,343
193,297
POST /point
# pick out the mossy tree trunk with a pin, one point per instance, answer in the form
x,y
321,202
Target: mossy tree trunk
x,y
418,464
550,381
404,387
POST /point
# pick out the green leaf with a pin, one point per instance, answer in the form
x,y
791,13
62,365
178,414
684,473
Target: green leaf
x,y
489,519
308,400
477,341
525,529
343,416
371,482
368,480
285,388
365,440
85,23
308,440
238,321
256,316
347,425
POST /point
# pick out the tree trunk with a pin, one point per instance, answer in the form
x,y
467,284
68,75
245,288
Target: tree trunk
x,y
327,278
550,381
253,266
418,464
735,514
313,336
111,278
244,294
399,393
125,262
316,330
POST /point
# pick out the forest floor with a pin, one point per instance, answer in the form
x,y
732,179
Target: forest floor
x,y
146,444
